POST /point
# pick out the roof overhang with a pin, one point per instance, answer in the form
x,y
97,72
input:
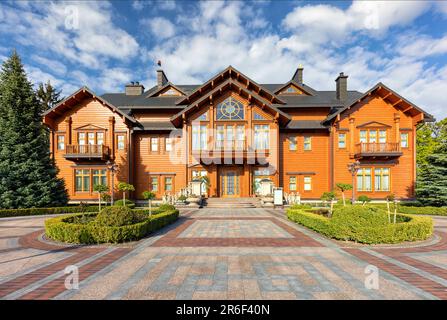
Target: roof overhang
x,y
391,97
76,98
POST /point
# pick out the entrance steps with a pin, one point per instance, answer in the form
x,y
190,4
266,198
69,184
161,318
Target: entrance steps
x,y
226,203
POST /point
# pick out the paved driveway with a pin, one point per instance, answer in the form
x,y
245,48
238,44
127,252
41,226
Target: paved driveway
x,y
221,254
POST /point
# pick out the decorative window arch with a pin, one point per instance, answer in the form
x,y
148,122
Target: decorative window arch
x,y
230,109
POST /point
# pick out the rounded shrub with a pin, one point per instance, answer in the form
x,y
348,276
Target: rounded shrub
x,y
120,203
115,216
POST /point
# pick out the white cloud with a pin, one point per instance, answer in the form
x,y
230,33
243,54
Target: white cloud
x,y
160,27
79,31
162,5
420,46
52,64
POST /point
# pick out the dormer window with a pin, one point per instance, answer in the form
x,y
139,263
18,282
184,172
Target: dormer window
x,y
291,90
230,109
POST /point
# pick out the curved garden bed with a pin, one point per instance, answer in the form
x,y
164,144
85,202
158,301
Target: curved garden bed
x,y
367,225
88,229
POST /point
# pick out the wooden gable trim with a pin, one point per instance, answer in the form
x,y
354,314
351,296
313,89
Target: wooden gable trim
x,y
90,127
87,92
373,124
158,92
220,76
295,84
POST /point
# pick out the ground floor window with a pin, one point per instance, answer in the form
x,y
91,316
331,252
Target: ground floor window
x,y
154,184
364,179
82,180
258,175
307,183
168,184
99,177
382,179
292,183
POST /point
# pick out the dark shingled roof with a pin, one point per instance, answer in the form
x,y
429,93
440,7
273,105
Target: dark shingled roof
x,y
305,124
155,126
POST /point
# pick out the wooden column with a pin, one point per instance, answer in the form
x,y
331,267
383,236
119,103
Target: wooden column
x,y
112,137
397,127
68,132
351,136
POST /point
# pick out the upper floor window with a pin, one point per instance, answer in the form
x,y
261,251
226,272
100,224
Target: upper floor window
x,y
120,142
154,144
203,117
60,142
261,136
199,137
168,144
292,144
342,140
81,138
100,138
373,136
307,143
404,140
230,109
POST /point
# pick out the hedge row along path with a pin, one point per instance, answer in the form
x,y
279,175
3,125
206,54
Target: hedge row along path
x,y
220,254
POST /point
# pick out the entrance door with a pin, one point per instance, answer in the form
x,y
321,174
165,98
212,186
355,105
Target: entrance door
x,y
229,183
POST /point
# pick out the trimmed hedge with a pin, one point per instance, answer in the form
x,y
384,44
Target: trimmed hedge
x,y
404,208
4,213
120,203
65,229
365,225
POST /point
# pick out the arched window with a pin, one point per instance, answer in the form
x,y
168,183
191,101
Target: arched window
x,y
230,109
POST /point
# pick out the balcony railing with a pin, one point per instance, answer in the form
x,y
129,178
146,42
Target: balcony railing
x,y
89,151
387,149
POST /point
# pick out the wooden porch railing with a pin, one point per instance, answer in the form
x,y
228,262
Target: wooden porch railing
x,y
378,148
87,151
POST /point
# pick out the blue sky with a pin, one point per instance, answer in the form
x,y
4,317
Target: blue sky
x,y
105,44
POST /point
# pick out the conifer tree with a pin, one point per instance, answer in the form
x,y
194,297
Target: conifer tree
x,y
48,96
28,175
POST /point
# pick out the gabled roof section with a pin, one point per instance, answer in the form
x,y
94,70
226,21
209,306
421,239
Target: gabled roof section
x,y
158,92
77,97
229,84
390,96
237,76
297,85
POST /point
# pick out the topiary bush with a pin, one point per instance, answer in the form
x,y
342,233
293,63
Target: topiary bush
x,y
365,225
129,203
4,213
116,216
86,230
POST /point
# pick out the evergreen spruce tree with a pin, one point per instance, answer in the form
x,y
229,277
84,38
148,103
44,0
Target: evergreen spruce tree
x,y
28,176
48,96
432,182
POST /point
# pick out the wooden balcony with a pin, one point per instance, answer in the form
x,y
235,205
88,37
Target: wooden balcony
x,y
88,151
387,149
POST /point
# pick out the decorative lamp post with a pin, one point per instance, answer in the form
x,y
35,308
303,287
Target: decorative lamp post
x,y
112,167
353,168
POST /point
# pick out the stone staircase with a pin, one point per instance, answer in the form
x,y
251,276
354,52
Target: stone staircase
x,y
227,203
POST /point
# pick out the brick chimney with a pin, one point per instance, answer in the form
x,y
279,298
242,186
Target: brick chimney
x,y
134,89
161,78
298,76
342,87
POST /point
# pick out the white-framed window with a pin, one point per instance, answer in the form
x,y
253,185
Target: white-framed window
x,y
199,137
363,136
404,140
154,144
91,138
364,179
60,142
120,142
100,138
154,184
382,179
342,140
168,144
307,143
168,183
382,136
307,183
261,136
292,183
81,138
292,144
